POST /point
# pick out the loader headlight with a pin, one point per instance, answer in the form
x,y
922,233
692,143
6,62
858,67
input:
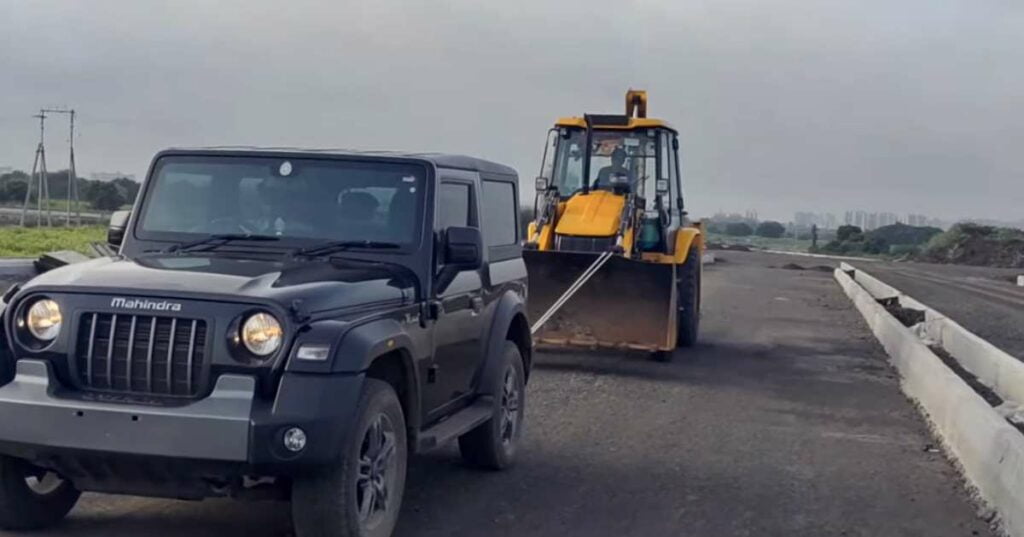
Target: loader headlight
x,y
43,319
262,334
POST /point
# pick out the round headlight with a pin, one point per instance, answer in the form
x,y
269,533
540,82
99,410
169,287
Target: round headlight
x,y
43,319
262,334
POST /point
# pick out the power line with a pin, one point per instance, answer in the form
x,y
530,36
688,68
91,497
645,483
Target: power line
x,y
40,178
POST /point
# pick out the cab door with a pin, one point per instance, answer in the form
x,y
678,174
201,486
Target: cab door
x,y
458,329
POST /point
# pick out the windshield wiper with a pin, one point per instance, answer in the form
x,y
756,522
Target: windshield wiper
x,y
218,239
331,247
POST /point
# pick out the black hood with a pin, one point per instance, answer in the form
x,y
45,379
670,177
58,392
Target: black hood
x,y
320,285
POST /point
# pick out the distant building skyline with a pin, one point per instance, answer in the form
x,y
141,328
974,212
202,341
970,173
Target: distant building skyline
x,y
872,220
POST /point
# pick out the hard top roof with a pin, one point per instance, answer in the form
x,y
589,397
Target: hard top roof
x,y
628,123
441,160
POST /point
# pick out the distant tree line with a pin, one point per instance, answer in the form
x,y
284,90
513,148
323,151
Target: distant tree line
x,y
895,239
98,195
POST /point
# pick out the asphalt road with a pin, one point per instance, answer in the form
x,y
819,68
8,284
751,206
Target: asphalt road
x,y
786,420
983,300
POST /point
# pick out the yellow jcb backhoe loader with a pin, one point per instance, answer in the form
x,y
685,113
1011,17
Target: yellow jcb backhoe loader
x,y
613,260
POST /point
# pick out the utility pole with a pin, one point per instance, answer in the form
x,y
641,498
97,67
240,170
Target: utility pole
x,y
73,176
39,178
72,192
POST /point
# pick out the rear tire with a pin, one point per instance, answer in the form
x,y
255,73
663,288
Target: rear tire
x,y
32,498
341,500
688,286
492,445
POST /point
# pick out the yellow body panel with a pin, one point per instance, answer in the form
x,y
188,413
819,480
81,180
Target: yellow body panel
x,y
544,237
545,241
634,123
594,214
685,238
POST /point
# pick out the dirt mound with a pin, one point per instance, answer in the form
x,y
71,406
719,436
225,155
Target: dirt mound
x,y
972,244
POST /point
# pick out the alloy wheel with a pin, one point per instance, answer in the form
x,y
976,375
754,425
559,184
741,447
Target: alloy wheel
x,y
377,471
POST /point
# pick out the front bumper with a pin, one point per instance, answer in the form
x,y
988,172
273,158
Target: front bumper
x,y
229,432
216,428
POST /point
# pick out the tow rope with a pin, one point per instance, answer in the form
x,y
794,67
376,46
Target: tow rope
x,y
597,264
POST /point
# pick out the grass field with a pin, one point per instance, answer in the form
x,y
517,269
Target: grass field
x,y
31,242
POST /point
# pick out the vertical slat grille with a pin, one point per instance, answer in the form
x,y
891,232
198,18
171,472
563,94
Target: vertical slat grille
x,y
141,354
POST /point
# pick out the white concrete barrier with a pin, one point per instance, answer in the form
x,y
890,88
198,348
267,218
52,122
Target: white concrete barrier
x,y
989,450
876,287
1020,281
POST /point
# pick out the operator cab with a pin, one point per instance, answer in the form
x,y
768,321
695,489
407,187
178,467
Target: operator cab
x,y
621,157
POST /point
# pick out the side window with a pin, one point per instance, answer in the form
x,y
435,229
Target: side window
x,y
665,173
454,207
666,152
499,208
674,180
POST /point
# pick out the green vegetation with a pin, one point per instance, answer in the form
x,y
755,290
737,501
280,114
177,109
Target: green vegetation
x,y
770,229
896,239
94,195
58,206
738,229
32,242
973,244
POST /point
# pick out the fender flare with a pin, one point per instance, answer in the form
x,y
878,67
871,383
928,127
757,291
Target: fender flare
x,y
508,307
687,237
359,346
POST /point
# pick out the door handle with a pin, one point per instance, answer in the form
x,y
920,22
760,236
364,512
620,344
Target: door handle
x,y
477,303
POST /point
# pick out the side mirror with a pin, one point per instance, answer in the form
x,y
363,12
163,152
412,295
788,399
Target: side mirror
x,y
118,224
463,248
542,183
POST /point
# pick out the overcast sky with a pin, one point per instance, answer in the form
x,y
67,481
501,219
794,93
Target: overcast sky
x,y
909,106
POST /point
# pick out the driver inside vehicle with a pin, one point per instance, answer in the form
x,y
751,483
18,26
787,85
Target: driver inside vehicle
x,y
617,167
283,208
357,213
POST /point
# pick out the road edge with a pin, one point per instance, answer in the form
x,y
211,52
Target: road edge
x,y
989,450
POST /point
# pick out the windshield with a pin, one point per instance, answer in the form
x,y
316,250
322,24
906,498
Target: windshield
x,y
189,197
628,154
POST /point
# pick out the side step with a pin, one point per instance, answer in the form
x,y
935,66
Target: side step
x,y
456,425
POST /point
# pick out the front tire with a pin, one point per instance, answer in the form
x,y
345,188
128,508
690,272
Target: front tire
x,y
361,494
688,287
493,444
32,498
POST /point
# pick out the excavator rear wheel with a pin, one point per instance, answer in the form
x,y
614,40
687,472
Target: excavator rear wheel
x,y
688,286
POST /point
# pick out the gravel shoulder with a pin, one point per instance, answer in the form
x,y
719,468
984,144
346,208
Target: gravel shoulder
x,y
785,420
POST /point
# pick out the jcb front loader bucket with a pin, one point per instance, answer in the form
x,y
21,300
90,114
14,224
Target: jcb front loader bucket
x,y
626,304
